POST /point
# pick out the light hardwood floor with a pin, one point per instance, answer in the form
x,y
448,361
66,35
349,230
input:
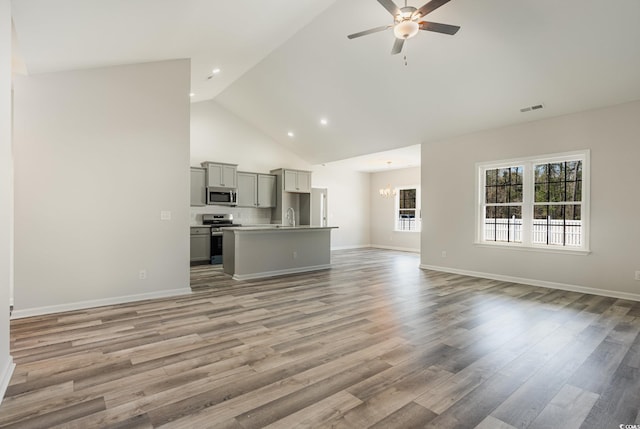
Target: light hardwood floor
x,y
373,342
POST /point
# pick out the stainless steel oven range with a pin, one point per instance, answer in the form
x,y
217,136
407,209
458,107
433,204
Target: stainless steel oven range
x,y
217,223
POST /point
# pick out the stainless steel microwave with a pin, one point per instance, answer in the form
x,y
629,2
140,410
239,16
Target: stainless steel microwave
x,y
222,197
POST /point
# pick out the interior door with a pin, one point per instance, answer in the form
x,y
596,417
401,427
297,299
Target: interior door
x,y
319,207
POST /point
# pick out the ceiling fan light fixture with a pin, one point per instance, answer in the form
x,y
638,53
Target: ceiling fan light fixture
x,y
406,29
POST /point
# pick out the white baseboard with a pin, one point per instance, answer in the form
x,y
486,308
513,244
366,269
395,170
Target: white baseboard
x,y
5,376
354,246
81,305
266,274
401,249
533,282
376,246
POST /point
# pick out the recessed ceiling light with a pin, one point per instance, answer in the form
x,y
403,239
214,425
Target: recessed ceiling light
x,y
216,71
290,134
323,121
191,94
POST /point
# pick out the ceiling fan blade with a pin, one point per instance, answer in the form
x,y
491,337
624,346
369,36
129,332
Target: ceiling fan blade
x,y
397,46
439,28
364,33
390,6
429,7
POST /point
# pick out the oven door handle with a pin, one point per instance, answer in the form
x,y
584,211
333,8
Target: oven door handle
x,y
216,234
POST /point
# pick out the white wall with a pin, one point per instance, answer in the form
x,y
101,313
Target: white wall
x,y
98,155
383,210
219,135
348,205
6,192
448,185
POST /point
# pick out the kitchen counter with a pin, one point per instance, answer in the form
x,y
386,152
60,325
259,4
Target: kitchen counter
x,y
276,228
252,252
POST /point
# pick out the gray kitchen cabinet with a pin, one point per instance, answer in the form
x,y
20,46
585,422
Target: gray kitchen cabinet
x,y
256,190
220,175
200,244
198,186
266,190
293,192
297,181
247,189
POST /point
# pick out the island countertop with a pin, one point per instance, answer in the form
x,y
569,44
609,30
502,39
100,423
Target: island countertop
x,y
270,228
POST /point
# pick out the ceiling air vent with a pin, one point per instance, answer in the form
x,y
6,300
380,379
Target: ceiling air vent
x,y
530,108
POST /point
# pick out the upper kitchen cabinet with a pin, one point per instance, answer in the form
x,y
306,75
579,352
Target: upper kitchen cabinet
x,y
256,190
266,190
198,186
297,181
293,192
221,175
247,189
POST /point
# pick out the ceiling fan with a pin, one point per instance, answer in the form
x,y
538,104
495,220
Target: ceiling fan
x,y
406,22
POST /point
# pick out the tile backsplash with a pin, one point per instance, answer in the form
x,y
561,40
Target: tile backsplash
x,y
241,215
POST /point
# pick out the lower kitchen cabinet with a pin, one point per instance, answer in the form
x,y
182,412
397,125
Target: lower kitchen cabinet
x,y
200,244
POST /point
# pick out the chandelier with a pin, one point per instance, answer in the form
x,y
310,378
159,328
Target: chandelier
x,y
387,192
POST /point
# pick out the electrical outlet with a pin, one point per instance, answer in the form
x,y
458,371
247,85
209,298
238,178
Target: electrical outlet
x,y
444,253
142,274
295,255
165,215
637,275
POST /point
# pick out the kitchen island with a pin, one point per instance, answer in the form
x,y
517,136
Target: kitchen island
x,y
253,252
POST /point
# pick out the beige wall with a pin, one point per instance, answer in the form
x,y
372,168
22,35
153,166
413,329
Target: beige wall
x,y
448,185
98,155
383,210
347,203
6,192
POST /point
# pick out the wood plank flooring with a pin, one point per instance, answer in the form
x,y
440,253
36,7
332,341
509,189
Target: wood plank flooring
x,y
374,342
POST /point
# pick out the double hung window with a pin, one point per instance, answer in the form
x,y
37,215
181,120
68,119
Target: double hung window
x,y
539,202
407,209
503,204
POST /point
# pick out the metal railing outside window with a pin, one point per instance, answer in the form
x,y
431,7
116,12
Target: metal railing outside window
x,y
550,231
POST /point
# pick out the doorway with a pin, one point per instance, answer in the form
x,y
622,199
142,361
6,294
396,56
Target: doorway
x,y
319,207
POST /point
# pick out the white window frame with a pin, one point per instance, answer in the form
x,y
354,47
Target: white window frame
x,y
528,201
396,211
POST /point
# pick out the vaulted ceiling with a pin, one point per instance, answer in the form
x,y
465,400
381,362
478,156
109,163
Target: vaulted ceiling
x,y
285,64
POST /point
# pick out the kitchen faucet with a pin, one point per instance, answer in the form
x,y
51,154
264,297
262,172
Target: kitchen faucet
x,y
291,216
